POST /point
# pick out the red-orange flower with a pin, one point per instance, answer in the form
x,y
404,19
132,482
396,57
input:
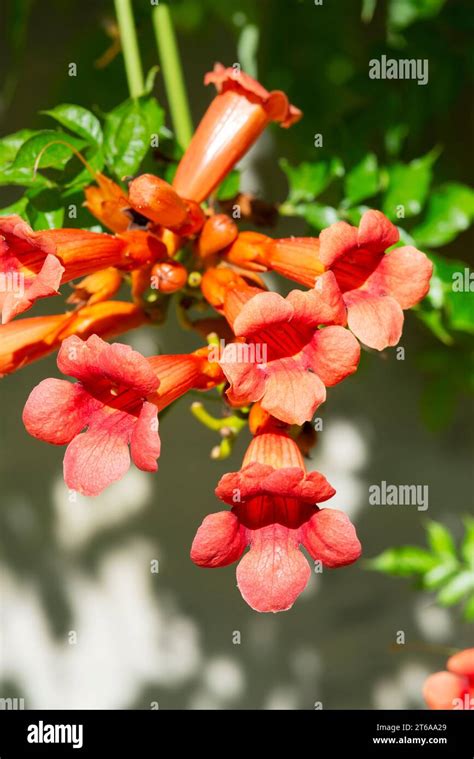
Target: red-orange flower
x,y
34,264
234,120
23,341
274,512
453,689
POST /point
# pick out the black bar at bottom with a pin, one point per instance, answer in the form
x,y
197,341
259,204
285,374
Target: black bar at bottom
x,y
151,733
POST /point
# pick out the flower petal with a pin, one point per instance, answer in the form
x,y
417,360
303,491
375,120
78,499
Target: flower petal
x,y
260,312
247,380
145,442
274,572
462,663
336,354
376,320
330,537
321,305
219,541
100,456
442,689
41,285
57,410
292,393
404,273
94,360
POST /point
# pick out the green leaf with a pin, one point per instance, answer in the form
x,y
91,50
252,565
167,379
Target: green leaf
x,y
456,589
308,180
79,120
453,281
319,216
229,188
467,547
405,561
408,186
403,13
450,211
10,145
45,208
440,540
150,79
132,143
439,575
19,208
142,118
469,610
50,145
363,180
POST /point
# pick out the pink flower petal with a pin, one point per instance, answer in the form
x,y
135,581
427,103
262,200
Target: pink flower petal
x,y
404,273
260,312
321,305
376,232
330,537
94,360
274,572
219,541
336,241
376,320
441,690
57,410
145,441
41,285
247,380
335,354
292,393
100,456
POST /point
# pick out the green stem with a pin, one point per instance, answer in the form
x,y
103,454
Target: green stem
x,y
128,38
172,74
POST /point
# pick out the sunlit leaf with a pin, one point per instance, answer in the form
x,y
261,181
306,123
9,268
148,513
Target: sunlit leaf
x,y
362,181
79,120
408,186
456,589
308,180
405,561
440,540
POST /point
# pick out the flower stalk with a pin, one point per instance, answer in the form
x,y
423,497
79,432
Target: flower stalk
x,y
131,54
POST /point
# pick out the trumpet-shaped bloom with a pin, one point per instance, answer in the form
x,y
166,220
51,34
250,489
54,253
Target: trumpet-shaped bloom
x,y
274,512
108,401
116,401
287,361
234,120
34,264
453,689
23,341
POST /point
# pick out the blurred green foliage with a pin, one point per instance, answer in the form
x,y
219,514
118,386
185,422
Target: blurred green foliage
x,y
443,567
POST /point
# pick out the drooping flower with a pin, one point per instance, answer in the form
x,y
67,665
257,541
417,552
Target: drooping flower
x,y
234,120
287,361
109,400
23,341
274,512
34,264
116,400
97,287
108,203
453,689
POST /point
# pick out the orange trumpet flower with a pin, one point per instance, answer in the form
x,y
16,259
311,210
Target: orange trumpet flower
x,y
231,124
26,340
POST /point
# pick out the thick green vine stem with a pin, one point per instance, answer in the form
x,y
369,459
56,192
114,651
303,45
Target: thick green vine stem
x,y
131,54
172,74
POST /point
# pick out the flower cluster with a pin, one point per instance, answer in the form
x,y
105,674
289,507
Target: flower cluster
x,y
278,357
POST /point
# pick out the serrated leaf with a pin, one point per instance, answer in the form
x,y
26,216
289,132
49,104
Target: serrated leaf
x,y
453,281
308,180
363,180
450,211
79,120
456,589
405,561
440,540
145,115
408,186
